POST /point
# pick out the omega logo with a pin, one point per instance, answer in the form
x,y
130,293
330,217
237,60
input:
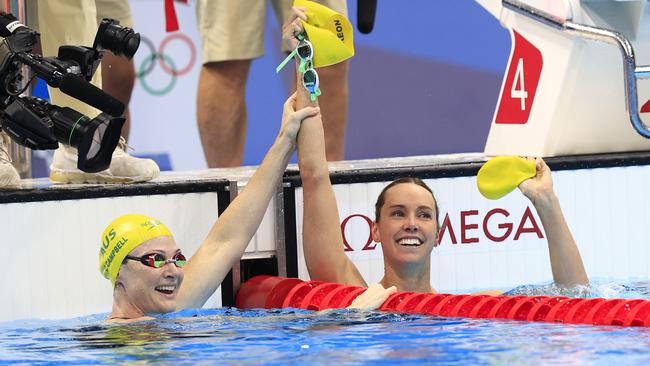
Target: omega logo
x,y
466,228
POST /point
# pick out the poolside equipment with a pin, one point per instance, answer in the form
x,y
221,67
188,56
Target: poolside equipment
x,y
271,291
570,86
502,174
122,236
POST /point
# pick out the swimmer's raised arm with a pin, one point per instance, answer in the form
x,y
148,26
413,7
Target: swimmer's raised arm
x,y
322,239
566,262
231,233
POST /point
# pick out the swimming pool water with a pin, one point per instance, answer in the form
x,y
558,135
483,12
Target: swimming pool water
x,y
296,337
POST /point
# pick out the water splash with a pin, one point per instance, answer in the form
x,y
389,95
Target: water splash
x,y
605,288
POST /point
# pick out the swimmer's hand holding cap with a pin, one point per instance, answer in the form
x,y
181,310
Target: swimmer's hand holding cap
x,y
330,32
328,40
502,174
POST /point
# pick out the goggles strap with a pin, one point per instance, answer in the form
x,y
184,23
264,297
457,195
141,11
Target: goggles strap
x,y
285,61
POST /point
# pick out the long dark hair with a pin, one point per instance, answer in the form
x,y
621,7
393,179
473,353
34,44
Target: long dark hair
x,y
382,196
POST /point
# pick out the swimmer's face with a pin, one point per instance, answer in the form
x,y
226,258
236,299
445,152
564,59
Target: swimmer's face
x,y
152,290
407,229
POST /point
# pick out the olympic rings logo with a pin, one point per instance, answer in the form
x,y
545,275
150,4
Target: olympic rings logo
x,y
165,61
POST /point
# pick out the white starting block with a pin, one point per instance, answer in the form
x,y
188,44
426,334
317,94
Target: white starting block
x,y
570,86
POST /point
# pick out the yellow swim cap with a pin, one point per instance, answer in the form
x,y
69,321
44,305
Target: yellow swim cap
x,y
501,174
329,32
122,236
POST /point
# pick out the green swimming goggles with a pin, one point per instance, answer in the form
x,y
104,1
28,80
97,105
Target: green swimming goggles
x,y
305,53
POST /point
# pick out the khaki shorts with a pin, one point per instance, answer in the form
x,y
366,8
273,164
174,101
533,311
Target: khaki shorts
x,y
74,22
114,9
234,29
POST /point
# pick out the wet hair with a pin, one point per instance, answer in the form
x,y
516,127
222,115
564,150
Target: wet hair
x,y
417,181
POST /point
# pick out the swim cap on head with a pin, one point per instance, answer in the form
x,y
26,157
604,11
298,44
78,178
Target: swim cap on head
x,y
329,32
122,236
502,174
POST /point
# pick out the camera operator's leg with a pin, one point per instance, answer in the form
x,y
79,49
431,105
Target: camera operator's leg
x,y
118,73
231,36
75,22
221,112
68,22
118,79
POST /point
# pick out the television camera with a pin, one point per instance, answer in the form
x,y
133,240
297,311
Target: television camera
x,y
39,125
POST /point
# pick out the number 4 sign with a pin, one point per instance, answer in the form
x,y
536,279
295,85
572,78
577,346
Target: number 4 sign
x,y
518,91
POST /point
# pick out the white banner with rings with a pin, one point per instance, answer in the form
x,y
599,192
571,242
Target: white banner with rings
x,y
163,104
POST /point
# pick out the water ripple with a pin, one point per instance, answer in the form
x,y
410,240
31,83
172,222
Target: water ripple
x,y
341,337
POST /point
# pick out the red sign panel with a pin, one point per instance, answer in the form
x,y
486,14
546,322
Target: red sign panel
x,y
518,91
646,107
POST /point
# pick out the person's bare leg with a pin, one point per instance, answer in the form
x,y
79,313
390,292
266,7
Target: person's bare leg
x,y
118,78
221,112
334,108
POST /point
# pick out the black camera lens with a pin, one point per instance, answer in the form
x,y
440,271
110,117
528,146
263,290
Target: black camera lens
x,y
122,41
95,139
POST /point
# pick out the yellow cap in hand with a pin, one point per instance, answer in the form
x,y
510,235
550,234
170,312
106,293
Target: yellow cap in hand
x,y
502,174
329,32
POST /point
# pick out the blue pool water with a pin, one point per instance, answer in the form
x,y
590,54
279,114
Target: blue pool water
x,y
296,337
